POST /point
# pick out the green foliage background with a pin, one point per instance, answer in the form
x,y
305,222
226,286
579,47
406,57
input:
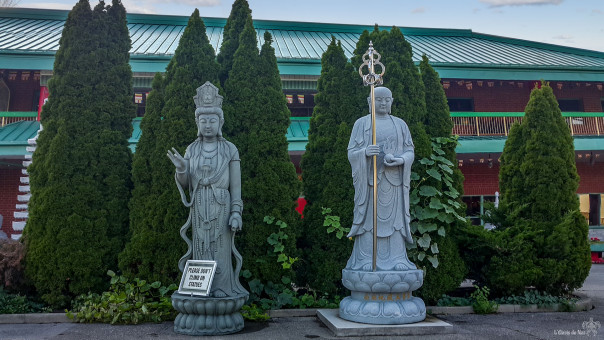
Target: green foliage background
x,y
326,171
541,239
80,181
342,99
157,212
256,121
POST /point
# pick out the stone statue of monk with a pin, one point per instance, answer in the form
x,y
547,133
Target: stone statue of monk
x,y
394,151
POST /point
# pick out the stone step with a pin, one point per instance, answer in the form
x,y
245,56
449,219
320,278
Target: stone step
x,y
24,188
15,237
24,180
19,225
24,172
20,214
27,156
30,149
21,206
26,163
23,198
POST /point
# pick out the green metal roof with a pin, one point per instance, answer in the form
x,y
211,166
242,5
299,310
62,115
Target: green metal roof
x,y
29,38
13,139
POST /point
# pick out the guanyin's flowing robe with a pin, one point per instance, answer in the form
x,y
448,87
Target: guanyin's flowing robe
x,y
207,180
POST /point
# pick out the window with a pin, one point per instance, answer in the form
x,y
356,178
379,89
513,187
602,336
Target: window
x,y
592,208
473,208
140,100
570,105
476,207
461,104
300,102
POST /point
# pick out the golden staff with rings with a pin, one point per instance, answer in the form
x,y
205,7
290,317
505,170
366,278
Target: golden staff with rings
x,y
370,59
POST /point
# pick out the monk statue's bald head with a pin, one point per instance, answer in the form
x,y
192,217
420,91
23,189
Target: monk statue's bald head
x,y
383,101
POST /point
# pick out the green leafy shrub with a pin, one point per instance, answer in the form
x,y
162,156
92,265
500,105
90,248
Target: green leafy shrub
x,y
481,303
267,295
126,302
19,304
436,206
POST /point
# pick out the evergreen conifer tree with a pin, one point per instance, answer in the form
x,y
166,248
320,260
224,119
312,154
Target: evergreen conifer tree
x,y
256,121
80,175
451,269
326,171
157,211
240,11
539,181
438,119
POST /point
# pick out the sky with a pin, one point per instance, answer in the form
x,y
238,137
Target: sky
x,y
574,23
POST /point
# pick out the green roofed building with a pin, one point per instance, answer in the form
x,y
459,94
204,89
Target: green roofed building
x,y
487,80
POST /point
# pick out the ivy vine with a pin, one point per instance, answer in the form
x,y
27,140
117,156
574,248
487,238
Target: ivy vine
x,y
434,202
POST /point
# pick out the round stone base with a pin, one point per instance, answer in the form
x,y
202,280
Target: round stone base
x,y
383,309
207,315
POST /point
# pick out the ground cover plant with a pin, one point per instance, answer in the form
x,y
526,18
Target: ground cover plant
x,y
126,302
14,303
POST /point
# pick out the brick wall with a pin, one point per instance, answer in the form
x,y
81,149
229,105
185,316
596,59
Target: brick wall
x,y
9,189
592,178
512,96
480,179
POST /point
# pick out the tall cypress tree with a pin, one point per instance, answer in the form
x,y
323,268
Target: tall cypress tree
x,y
256,121
80,174
235,24
157,212
539,181
438,119
326,170
451,269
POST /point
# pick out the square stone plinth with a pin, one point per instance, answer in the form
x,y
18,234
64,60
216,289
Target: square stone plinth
x,y
341,327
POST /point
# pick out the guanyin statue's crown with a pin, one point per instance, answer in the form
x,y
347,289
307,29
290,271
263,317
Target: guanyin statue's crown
x,y
207,96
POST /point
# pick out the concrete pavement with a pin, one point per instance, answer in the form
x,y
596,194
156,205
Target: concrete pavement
x,y
557,325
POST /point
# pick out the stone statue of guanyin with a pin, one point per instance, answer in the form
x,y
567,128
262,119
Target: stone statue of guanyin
x,y
210,173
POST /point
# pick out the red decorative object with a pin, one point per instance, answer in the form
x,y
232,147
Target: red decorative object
x,y
301,206
290,98
301,98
